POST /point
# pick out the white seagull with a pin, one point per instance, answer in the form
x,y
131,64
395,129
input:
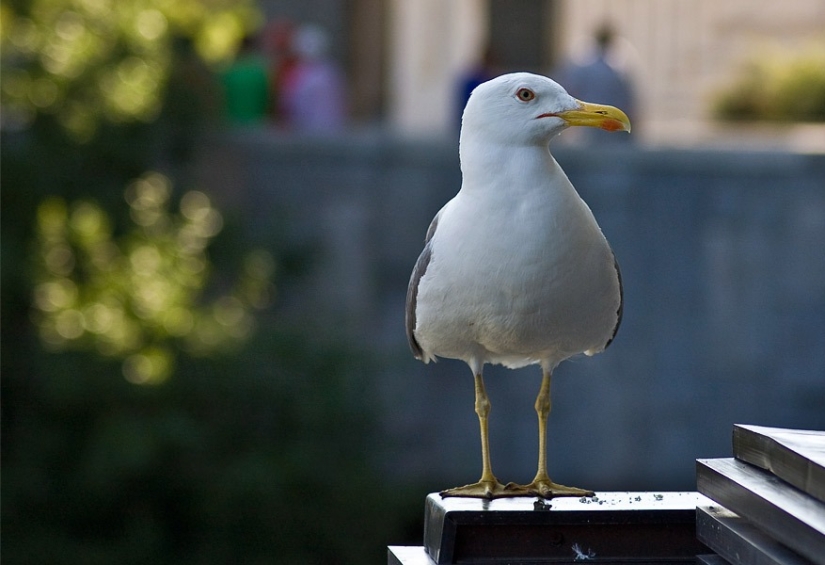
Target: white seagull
x,y
515,270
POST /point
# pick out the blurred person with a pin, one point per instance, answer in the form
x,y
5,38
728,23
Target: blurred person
x,y
599,78
192,104
313,96
279,37
246,86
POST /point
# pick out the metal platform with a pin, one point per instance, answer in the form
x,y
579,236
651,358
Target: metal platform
x,y
612,527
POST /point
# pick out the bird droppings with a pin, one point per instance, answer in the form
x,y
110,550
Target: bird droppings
x,y
581,555
630,499
595,500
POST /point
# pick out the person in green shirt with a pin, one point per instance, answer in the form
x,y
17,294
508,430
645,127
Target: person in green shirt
x,y
246,86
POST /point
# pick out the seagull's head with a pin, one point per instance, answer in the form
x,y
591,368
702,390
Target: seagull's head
x,y
523,108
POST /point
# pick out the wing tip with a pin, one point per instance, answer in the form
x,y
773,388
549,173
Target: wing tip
x,y
620,309
412,294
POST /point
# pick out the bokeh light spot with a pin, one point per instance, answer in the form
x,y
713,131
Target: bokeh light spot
x,y
178,321
145,260
59,259
89,222
24,35
151,24
229,311
69,26
195,205
55,295
43,93
152,366
69,324
99,318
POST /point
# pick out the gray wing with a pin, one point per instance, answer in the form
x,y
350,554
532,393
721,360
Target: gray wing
x,y
620,311
412,290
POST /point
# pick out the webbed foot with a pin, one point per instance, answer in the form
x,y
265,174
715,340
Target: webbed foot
x,y
488,489
544,488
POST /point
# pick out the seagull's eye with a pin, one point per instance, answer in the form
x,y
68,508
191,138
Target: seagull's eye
x,y
525,94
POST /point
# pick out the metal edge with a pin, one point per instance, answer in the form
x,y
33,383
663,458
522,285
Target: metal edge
x,y
435,515
739,541
765,448
773,506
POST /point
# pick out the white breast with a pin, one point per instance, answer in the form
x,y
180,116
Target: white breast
x,y
517,277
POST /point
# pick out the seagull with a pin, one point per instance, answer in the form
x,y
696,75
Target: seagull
x,y
515,270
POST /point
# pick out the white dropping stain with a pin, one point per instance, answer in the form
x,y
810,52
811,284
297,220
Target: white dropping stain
x,y
582,555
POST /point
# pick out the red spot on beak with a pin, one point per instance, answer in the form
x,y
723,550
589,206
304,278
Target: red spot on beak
x,y
612,125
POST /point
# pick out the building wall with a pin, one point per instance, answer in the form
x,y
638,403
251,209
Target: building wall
x,y
430,43
724,275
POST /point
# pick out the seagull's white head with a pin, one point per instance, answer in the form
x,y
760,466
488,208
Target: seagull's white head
x,y
528,109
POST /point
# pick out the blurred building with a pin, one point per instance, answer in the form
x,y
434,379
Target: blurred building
x,y
403,57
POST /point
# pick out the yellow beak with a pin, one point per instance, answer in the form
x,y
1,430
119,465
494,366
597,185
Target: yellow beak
x,y
601,116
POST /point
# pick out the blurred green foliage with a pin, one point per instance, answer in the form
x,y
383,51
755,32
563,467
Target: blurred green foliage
x,y
88,61
255,453
777,86
134,299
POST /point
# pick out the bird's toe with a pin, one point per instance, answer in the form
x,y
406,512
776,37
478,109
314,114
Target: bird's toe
x,y
482,489
545,489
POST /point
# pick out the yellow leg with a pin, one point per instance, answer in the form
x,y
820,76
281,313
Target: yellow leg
x,y
544,403
487,486
542,486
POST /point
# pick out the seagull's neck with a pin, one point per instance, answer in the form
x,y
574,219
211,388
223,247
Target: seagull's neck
x,y
485,164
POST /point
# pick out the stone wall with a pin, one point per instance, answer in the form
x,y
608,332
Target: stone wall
x,y
723,261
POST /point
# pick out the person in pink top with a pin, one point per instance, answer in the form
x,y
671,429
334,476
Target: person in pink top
x,y
314,96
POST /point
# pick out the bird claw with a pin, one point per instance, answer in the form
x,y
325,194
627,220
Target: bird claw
x,y
544,489
482,489
493,489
